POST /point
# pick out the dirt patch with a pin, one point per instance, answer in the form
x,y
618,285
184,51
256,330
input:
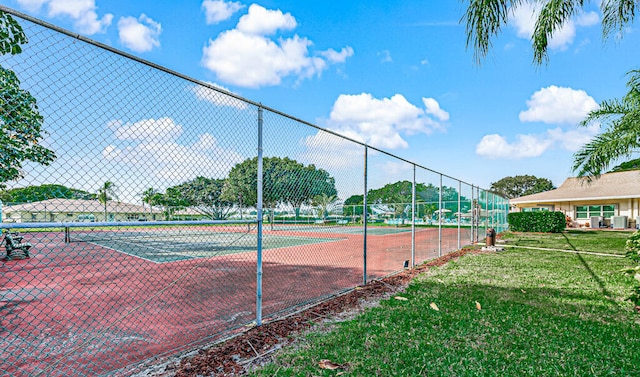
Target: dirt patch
x,y
235,356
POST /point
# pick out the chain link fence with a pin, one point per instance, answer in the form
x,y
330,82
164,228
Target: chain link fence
x,y
172,214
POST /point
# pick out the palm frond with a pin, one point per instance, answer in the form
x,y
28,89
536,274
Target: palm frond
x,y
607,111
596,156
633,97
615,15
553,15
484,20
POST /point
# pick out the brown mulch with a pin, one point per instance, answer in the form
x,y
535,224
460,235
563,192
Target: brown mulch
x,y
239,354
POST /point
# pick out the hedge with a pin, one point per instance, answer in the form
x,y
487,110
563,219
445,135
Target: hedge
x,y
541,221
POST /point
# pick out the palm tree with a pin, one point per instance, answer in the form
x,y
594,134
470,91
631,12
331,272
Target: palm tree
x,y
105,193
621,137
324,204
485,18
150,196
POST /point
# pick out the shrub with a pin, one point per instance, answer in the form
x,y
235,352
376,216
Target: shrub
x,y
632,247
542,221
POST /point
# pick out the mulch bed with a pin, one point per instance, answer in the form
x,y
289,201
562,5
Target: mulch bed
x,y
239,354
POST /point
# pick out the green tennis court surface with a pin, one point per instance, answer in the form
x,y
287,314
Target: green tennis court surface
x,y
163,247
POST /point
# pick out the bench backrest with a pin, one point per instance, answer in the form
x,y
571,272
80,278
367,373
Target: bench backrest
x,y
8,238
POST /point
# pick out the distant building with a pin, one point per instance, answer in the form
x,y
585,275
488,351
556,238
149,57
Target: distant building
x,y
77,210
612,195
188,214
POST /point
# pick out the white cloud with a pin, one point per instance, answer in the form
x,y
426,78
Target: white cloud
x,y
31,5
433,108
334,56
216,97
82,12
219,10
394,169
385,56
572,140
262,21
158,151
554,105
551,105
245,57
139,35
563,37
323,149
523,18
496,146
382,122
588,19
148,129
254,61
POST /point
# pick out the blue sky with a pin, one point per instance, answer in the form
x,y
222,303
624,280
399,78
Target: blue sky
x,y
393,74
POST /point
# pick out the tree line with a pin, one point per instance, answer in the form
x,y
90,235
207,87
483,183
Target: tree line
x,y
397,197
285,182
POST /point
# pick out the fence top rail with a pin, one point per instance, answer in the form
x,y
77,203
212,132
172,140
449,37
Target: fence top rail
x,y
209,86
119,223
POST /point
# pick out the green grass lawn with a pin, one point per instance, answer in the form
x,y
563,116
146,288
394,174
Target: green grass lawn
x,y
599,241
542,313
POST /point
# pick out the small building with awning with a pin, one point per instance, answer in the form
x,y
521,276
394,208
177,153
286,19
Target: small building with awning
x,y
612,200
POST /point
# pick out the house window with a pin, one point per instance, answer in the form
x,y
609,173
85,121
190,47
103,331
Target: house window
x,y
89,218
608,211
585,212
535,209
132,216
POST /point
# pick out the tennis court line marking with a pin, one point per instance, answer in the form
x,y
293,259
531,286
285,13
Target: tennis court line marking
x,y
160,251
566,251
133,255
328,240
135,244
191,257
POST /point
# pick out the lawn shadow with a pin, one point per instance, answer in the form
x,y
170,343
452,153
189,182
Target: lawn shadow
x,y
607,294
569,242
605,291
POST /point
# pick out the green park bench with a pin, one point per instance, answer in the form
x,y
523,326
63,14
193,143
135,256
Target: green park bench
x,y
16,249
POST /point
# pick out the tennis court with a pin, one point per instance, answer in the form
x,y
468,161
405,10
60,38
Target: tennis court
x,y
175,244
343,229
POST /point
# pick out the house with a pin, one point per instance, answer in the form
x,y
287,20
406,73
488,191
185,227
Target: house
x,y
609,200
77,210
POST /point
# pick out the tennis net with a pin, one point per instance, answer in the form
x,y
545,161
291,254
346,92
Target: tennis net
x,y
154,232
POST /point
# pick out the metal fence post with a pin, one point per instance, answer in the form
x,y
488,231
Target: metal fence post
x,y
259,231
365,216
473,214
493,212
440,218
476,214
459,212
413,219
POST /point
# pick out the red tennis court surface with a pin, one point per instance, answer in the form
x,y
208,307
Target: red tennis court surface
x,y
80,309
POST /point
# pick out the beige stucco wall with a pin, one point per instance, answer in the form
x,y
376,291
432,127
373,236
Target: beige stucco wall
x,y
624,207
26,216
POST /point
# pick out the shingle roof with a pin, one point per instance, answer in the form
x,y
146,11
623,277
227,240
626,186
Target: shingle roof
x,y
77,206
622,185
